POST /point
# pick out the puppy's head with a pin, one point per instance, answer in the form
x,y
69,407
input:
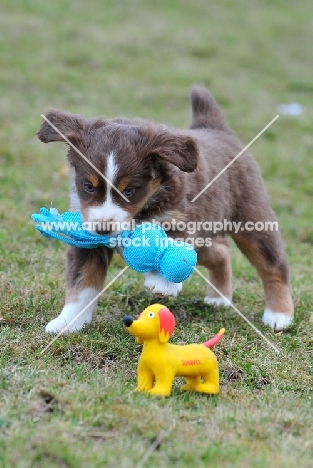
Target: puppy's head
x,y
156,322
120,167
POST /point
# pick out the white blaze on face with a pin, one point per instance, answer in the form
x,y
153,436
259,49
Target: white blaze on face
x,y
109,211
74,198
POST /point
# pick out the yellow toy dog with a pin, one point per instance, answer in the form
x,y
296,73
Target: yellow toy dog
x,y
160,361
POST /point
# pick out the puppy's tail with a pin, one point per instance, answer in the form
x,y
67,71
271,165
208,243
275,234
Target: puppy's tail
x,y
213,341
205,111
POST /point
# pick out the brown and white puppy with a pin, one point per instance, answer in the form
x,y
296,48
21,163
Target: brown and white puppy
x,y
160,170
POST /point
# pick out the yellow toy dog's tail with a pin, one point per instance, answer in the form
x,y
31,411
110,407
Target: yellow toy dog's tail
x,y
213,341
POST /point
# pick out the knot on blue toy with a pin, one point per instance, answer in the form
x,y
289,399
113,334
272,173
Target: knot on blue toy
x,y
175,260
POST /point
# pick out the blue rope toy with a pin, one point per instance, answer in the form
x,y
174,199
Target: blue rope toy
x,y
146,248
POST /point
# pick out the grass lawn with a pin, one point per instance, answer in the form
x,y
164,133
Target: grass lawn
x,y
74,405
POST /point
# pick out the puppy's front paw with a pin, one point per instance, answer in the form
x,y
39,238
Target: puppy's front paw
x,y
76,314
63,323
58,324
158,285
276,320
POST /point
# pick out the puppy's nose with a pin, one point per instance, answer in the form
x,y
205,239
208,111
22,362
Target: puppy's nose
x,y
103,231
105,226
128,320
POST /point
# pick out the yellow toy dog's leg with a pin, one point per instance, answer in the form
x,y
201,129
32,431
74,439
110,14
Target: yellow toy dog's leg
x,y
145,379
210,382
163,385
191,383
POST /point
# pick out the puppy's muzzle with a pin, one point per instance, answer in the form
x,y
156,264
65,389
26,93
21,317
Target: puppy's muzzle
x,y
128,320
104,232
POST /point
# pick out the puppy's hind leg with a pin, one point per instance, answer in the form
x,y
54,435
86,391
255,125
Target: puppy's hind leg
x,y
86,270
265,251
217,260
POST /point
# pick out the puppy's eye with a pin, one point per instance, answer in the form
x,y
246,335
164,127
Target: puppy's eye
x,y
129,191
151,314
89,187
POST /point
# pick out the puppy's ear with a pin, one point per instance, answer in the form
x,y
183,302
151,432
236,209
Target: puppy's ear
x,y
178,149
60,123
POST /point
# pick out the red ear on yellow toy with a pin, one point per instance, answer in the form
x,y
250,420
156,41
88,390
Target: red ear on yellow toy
x,y
167,324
